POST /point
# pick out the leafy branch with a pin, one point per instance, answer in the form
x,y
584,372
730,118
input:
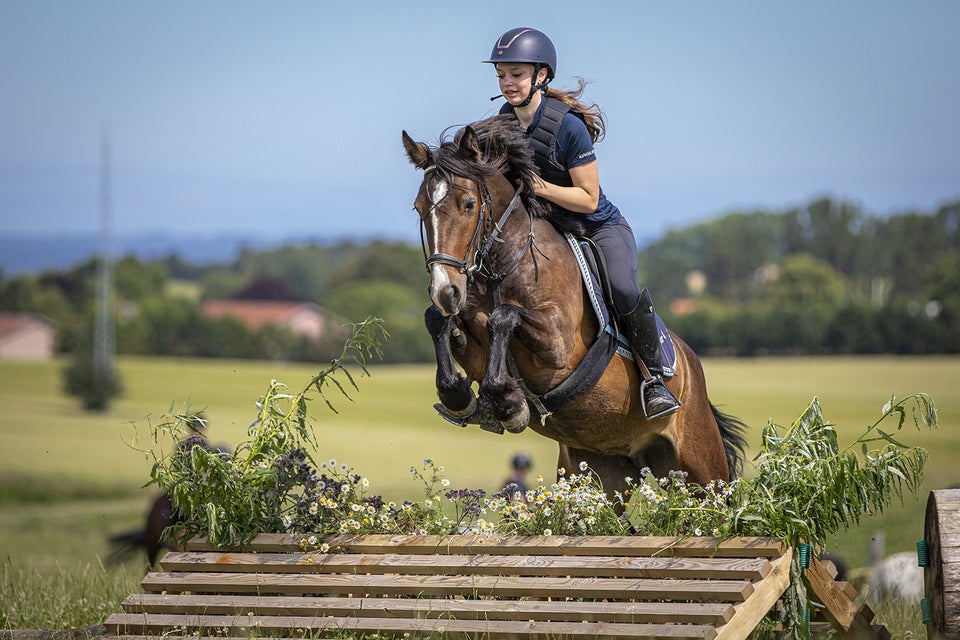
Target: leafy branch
x,y
231,497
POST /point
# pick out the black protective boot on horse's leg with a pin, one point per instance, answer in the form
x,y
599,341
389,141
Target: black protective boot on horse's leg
x,y
639,327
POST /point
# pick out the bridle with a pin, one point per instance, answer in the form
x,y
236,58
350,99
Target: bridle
x,y
475,262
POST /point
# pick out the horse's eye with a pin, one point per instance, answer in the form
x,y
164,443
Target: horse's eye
x,y
469,204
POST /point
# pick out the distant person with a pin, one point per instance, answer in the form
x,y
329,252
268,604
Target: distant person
x,y
516,482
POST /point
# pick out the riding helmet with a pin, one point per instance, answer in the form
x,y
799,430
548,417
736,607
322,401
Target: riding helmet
x,y
521,461
524,44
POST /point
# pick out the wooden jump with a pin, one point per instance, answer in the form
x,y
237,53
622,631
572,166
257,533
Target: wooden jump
x,y
493,587
942,572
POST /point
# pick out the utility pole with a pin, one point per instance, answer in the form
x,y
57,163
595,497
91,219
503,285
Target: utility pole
x,y
103,337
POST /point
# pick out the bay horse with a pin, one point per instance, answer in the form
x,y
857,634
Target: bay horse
x,y
150,538
509,307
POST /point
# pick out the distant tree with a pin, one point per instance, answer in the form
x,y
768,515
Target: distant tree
x,y
664,264
739,245
828,230
854,328
266,288
95,389
805,281
384,262
942,290
729,250
400,308
135,280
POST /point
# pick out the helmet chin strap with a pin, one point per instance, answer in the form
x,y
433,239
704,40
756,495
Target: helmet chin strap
x,y
533,89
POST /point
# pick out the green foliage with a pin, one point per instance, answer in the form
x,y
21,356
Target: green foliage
x,y
401,310
93,386
805,281
805,488
836,265
576,504
75,596
232,497
393,262
135,281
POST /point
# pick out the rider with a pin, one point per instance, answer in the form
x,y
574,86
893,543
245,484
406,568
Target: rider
x,y
562,131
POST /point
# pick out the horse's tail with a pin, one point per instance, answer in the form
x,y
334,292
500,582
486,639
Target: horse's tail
x,y
124,545
732,432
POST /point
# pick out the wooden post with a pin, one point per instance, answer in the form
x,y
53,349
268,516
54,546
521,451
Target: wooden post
x,y
942,575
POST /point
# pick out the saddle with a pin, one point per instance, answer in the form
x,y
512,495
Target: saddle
x,y
593,272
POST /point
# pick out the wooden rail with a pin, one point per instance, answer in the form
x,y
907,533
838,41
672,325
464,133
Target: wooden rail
x,y
474,587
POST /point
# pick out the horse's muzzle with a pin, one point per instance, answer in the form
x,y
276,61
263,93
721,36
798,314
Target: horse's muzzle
x,y
449,300
447,295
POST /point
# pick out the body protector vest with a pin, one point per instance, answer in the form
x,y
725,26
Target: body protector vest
x,y
543,140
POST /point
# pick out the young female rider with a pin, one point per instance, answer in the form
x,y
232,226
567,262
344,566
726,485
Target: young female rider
x,y
562,131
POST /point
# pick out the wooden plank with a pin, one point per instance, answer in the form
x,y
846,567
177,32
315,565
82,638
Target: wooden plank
x,y
311,626
527,545
508,586
635,612
422,564
845,614
765,596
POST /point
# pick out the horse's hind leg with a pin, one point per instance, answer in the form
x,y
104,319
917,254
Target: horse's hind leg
x,y
453,389
611,471
498,386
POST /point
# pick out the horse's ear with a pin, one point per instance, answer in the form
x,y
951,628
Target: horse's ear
x,y
470,144
417,152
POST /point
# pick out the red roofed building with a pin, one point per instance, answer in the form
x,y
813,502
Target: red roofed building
x,y
26,336
302,318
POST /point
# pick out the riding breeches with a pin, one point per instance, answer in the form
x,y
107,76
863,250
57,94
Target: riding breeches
x,y
619,249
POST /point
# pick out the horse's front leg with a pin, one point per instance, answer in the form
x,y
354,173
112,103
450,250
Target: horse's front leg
x,y
453,389
498,386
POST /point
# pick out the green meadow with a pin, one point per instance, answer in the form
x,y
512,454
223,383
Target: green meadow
x,y
68,478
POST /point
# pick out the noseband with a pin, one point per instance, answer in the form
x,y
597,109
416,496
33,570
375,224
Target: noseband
x,y
486,233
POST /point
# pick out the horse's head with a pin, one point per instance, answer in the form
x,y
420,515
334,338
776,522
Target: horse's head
x,y
452,204
465,197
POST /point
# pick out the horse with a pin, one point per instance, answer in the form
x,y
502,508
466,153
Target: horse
x,y
150,538
508,308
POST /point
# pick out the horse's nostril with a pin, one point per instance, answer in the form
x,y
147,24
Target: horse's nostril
x,y
450,298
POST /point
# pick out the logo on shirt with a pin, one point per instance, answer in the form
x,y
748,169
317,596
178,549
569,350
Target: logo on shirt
x,y
584,155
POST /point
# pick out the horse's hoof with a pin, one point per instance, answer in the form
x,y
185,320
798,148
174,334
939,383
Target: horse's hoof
x,y
519,422
463,413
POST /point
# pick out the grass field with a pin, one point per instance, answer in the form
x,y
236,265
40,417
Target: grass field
x,y
68,478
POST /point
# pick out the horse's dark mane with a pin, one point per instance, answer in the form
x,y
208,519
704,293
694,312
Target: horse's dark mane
x,y
505,150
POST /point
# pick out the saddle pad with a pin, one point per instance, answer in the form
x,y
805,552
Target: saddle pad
x,y
591,283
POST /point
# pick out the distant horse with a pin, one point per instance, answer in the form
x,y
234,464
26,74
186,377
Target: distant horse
x,y
509,307
149,539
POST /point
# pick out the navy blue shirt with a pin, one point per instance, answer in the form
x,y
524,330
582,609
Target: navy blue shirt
x,y
574,148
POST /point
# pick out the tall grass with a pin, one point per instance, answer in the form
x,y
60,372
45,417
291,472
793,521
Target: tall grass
x,y
66,597
68,479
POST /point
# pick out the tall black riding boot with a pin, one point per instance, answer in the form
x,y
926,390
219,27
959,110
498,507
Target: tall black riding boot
x,y
639,327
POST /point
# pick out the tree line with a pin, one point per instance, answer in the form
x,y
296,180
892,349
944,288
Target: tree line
x,y
822,278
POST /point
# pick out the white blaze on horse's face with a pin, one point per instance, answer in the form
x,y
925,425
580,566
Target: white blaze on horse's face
x,y
438,275
446,206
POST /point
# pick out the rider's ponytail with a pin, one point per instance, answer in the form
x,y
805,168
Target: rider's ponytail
x,y
592,115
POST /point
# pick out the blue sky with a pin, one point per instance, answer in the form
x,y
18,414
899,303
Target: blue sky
x,y
283,119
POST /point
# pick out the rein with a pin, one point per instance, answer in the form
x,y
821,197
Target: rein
x,y
485,235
